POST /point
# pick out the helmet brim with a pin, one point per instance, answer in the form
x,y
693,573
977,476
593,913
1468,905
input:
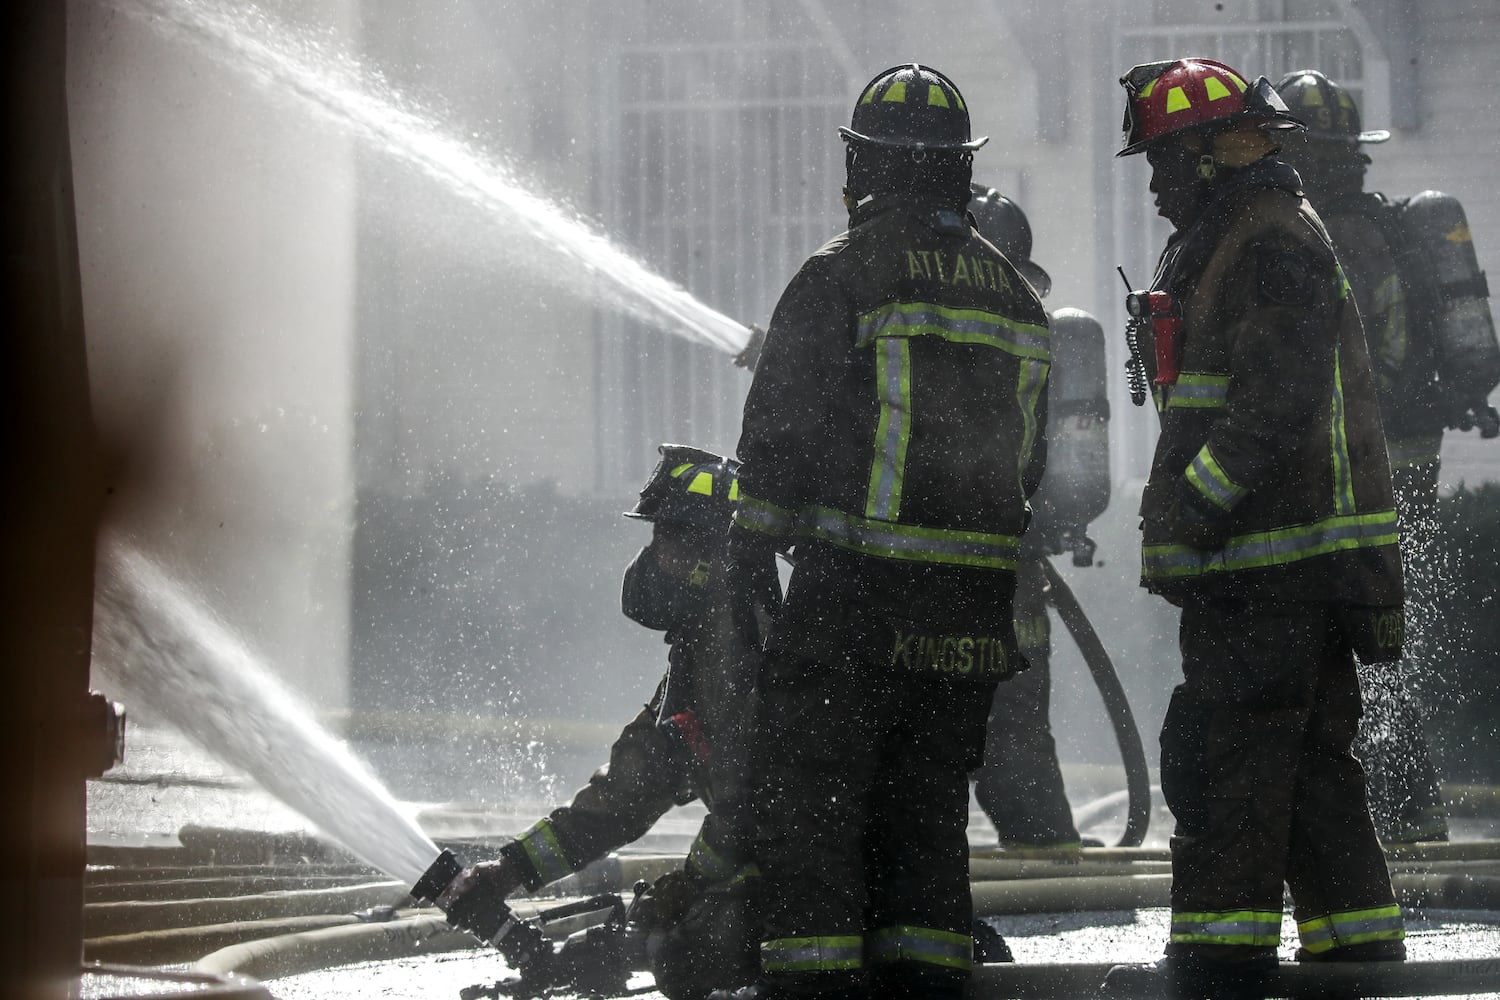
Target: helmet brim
x,y
1267,124
1036,276
852,136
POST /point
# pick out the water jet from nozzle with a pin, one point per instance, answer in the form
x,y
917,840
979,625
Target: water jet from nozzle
x,y
337,89
159,648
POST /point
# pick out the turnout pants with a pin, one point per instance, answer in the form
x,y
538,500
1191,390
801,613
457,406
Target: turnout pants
x,y
862,801
1257,770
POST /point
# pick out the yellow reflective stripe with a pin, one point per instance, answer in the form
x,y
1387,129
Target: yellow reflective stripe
x,y
1215,88
812,954
1199,390
1177,100
545,853
893,432
1338,930
1257,928
734,489
921,944
702,483
1261,549
895,93
677,472
759,515
890,540
1342,279
707,861
1033,380
1343,472
936,98
960,326
745,873
1209,478
1414,451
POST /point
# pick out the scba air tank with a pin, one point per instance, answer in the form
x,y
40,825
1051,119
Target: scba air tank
x,y
1469,357
1075,488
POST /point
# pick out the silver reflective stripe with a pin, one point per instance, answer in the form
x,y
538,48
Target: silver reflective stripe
x,y
921,944
1195,390
1272,548
897,541
1212,481
1033,380
1240,928
545,853
758,515
893,371
1343,474
968,326
707,861
812,954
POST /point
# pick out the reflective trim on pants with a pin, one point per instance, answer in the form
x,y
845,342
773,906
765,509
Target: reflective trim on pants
x,y
921,944
1338,930
1256,928
812,954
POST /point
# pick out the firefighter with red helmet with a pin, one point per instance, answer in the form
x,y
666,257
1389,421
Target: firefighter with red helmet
x,y
1268,518
1424,302
892,434
703,919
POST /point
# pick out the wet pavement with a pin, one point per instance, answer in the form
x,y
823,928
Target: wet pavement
x,y
166,784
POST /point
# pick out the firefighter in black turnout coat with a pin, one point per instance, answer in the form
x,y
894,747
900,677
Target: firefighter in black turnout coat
x,y
1425,306
892,434
1268,519
702,920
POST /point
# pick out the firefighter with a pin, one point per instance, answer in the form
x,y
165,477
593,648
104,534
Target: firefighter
x,y
704,918
1432,342
892,433
1020,787
1268,519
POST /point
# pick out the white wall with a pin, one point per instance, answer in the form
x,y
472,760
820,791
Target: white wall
x,y
215,233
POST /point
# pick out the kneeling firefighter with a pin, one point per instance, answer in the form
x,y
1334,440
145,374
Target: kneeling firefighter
x,y
700,922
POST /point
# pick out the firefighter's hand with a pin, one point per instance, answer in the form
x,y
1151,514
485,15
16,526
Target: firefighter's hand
x,y
751,581
669,897
489,879
1194,519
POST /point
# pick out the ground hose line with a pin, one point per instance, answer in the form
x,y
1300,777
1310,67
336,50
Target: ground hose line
x,y
1132,753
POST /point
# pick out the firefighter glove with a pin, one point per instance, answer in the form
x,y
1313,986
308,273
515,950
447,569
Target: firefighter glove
x,y
1196,521
750,580
486,880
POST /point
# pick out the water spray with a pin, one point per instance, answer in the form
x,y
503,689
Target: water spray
x,y
157,646
359,102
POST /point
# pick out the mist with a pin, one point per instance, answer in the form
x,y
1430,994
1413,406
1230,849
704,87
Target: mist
x,y
391,374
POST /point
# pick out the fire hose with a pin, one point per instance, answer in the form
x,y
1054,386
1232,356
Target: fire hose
x,y
1132,753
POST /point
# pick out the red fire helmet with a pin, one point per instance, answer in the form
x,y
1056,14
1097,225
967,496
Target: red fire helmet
x,y
1164,98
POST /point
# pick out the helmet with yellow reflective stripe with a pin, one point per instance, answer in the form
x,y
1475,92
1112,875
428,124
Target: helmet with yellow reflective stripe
x,y
1168,98
1326,108
691,487
911,106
